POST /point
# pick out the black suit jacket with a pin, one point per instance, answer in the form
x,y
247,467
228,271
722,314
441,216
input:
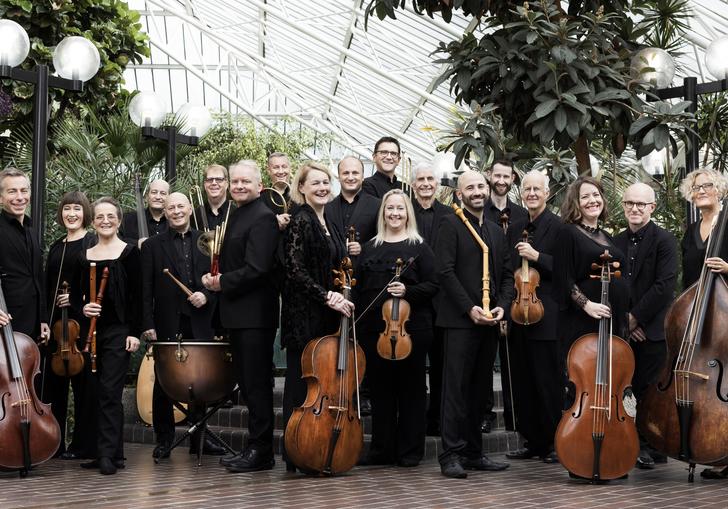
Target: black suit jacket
x,y
439,211
163,301
129,230
364,217
543,240
249,297
459,264
652,285
21,273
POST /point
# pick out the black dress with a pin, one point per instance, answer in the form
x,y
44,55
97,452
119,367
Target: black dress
x,y
693,253
398,388
120,317
55,388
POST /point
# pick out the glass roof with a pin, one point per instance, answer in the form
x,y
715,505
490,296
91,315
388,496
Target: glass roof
x,y
291,63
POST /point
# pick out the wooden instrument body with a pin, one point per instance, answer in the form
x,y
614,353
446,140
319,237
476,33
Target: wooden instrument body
x,y
145,392
67,360
330,405
18,407
573,440
394,342
658,419
526,308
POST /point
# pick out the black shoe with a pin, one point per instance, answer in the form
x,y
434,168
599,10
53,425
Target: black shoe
x,y
106,466
208,447
644,460
68,455
161,451
484,463
118,463
487,426
407,462
453,469
252,460
365,406
712,473
290,467
376,459
231,458
658,457
550,458
524,453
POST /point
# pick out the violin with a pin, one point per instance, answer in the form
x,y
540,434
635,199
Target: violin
x,y
29,433
66,361
394,342
325,434
526,308
597,437
685,414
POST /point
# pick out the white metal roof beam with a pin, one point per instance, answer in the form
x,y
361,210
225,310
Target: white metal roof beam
x,y
348,36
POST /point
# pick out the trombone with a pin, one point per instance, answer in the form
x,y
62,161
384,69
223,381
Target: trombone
x,y
196,192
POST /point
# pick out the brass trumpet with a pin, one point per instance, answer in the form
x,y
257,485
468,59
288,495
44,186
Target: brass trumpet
x,y
196,192
276,198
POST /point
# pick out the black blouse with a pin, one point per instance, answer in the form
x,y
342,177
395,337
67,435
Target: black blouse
x,y
694,251
70,272
376,266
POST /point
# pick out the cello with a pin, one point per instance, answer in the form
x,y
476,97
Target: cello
x,y
29,433
685,414
325,434
67,360
526,308
597,438
394,342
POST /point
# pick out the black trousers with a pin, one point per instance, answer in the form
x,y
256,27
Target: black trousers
x,y
112,364
399,398
649,357
467,374
435,355
252,351
294,390
54,390
537,388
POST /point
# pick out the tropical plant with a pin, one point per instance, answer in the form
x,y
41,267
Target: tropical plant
x,y
712,128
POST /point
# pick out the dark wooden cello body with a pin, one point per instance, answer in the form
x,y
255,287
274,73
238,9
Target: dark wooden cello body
x,y
29,433
685,414
325,434
597,438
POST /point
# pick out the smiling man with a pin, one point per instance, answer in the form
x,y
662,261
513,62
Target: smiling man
x,y
386,158
500,209
651,272
215,210
155,198
21,262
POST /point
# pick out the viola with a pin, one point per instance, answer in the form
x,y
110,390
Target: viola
x,y
394,342
325,434
29,433
67,360
685,414
526,308
597,438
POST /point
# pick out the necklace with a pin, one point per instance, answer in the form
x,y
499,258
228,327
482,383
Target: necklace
x,y
589,229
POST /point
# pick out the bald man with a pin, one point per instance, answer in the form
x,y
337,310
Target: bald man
x,y
154,214
168,312
471,332
651,272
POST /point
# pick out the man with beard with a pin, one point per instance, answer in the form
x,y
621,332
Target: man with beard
x,y
428,213
386,158
216,209
471,332
168,313
21,261
352,207
534,347
248,308
651,272
154,214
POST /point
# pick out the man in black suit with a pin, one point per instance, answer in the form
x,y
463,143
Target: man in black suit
x,y
386,158
353,207
428,213
471,332
21,262
534,351
651,270
215,209
156,197
248,308
168,312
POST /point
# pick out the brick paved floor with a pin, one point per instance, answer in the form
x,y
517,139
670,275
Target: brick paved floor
x,y
178,483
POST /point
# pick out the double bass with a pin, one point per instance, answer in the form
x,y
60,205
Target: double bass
x,y
526,308
394,342
67,360
325,434
29,433
685,414
597,438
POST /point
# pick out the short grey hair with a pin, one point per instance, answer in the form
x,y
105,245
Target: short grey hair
x,y
11,171
250,164
536,173
421,166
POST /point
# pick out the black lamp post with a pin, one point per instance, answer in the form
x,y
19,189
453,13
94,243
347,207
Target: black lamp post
x,y
76,60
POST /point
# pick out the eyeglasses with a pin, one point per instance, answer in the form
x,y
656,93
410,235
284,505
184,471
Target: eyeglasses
x,y
705,187
639,204
216,180
385,153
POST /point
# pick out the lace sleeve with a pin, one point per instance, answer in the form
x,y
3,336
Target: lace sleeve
x,y
578,297
298,273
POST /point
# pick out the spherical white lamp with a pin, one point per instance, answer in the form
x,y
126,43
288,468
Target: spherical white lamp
x,y
444,164
657,59
76,58
14,43
147,110
196,119
716,58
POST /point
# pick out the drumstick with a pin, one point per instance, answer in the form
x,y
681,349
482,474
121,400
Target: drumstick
x,y
178,282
